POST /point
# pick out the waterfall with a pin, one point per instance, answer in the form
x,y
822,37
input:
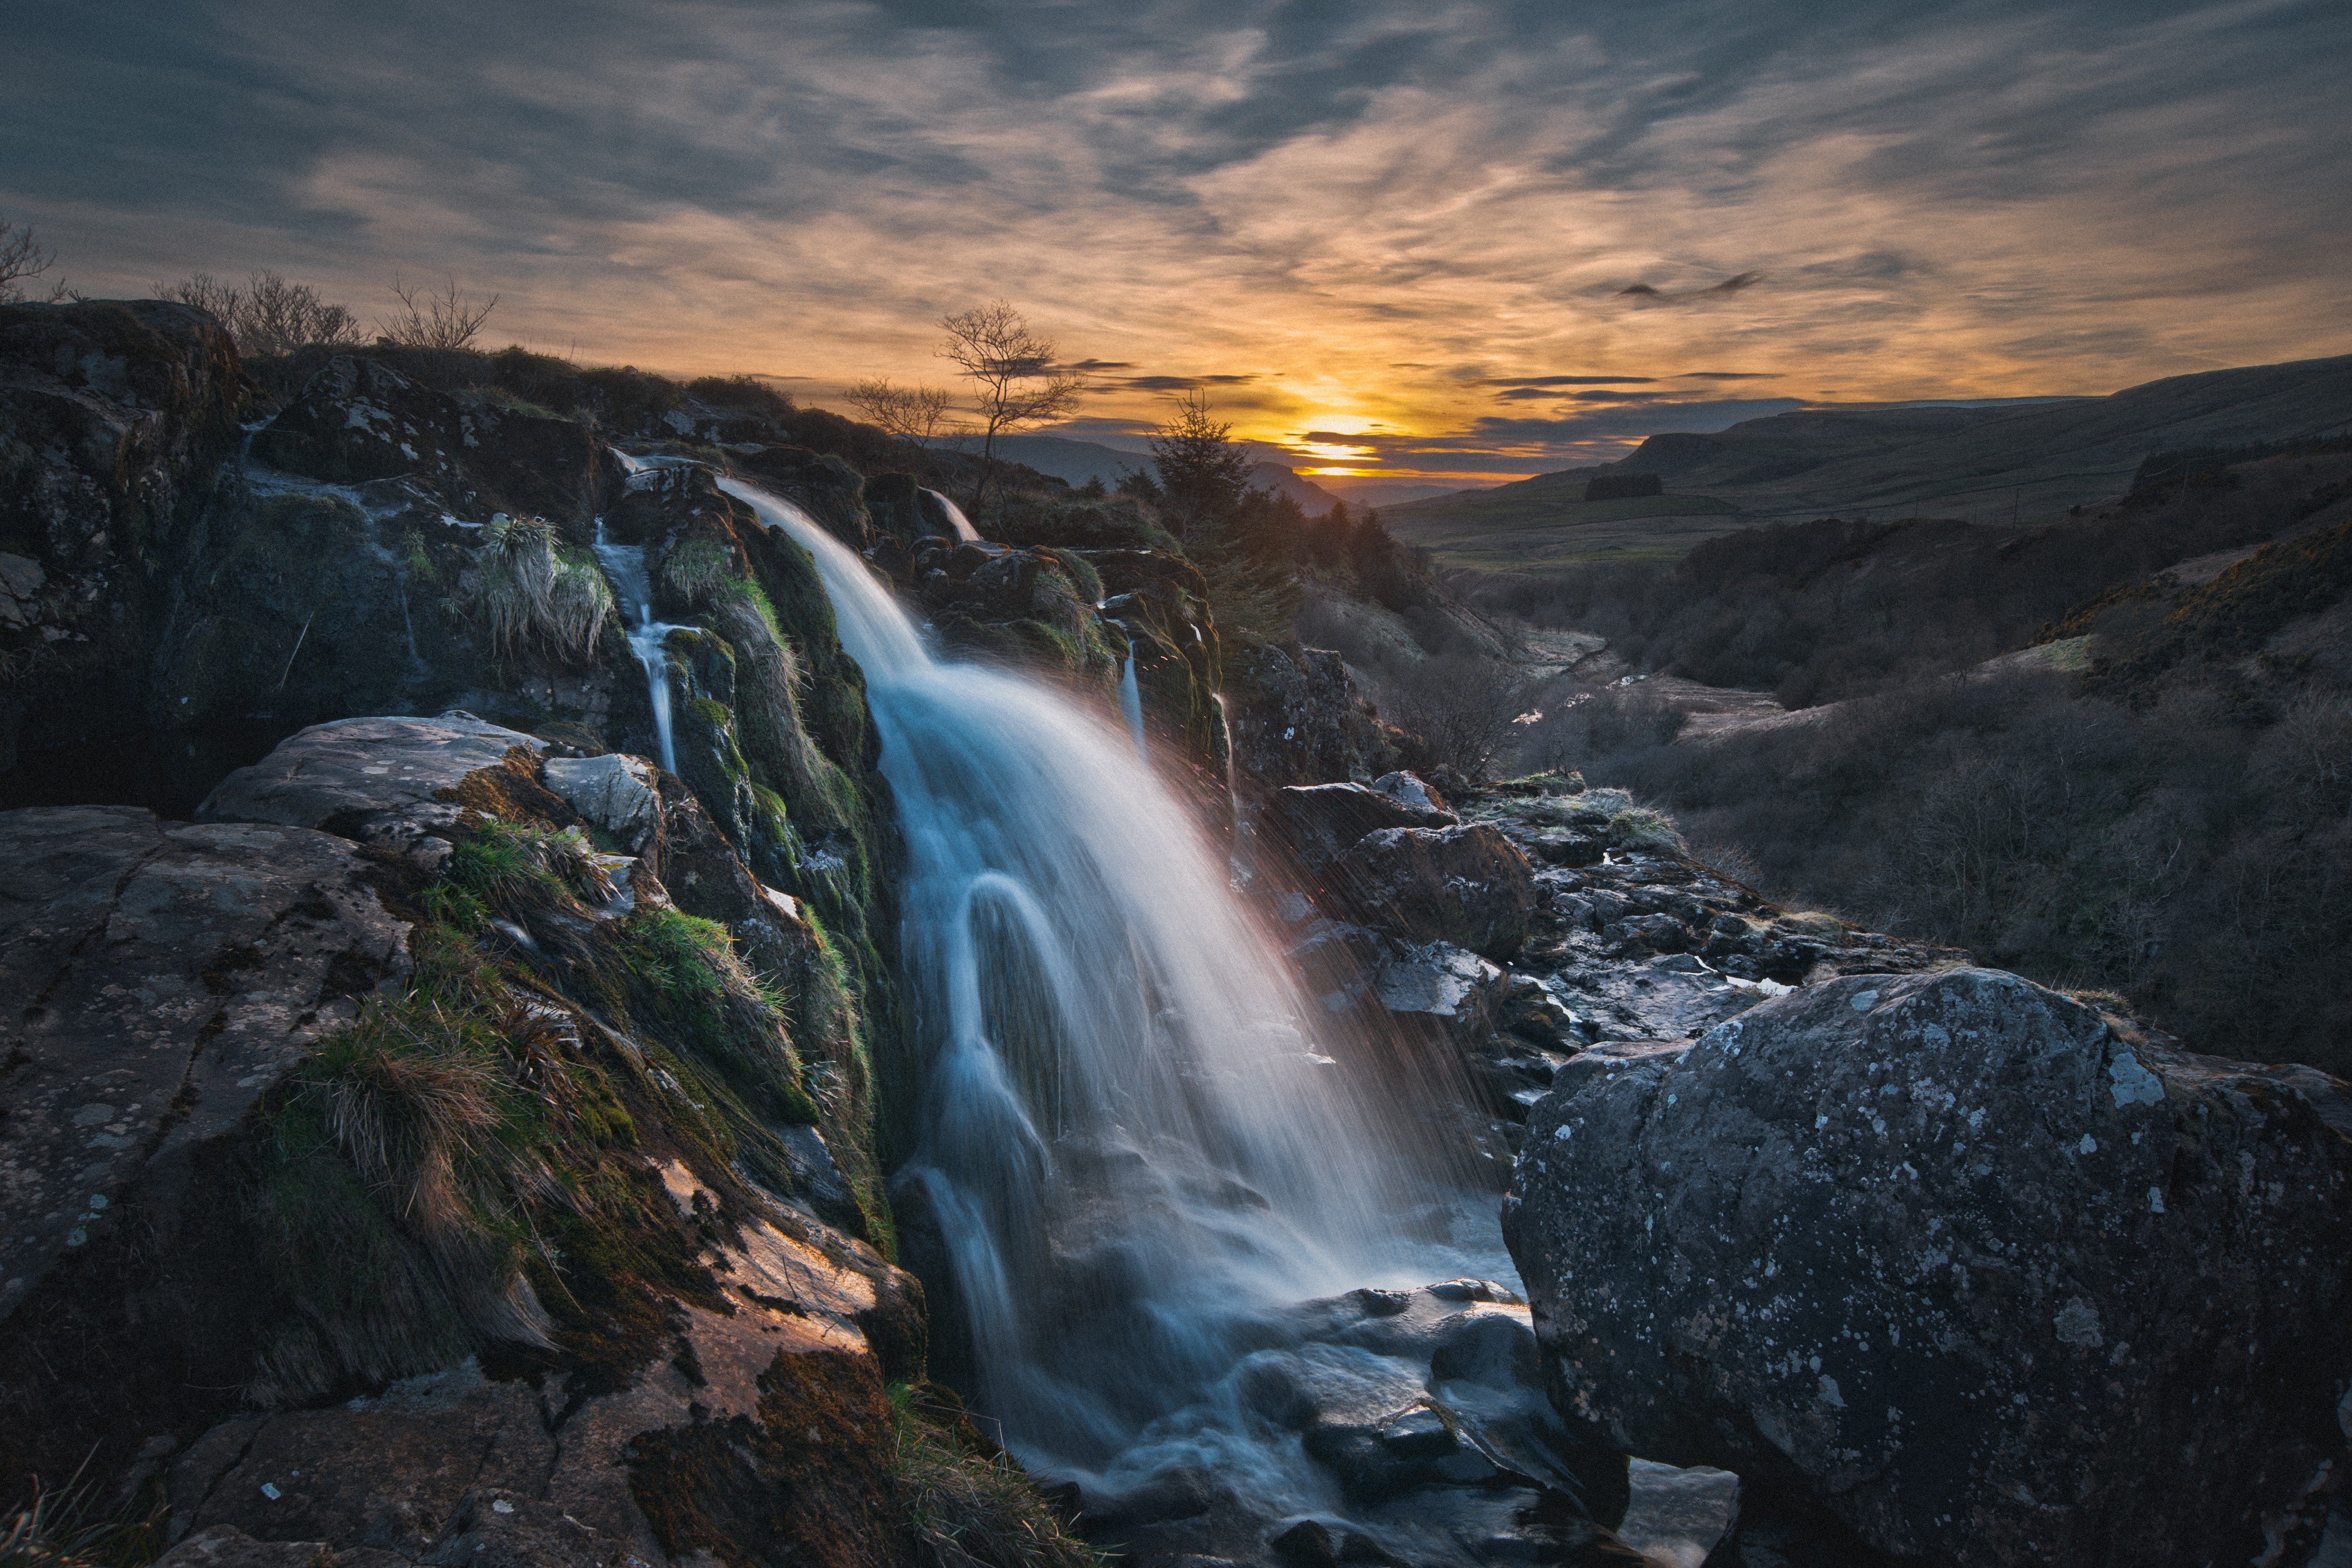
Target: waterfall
x,y
1136,1144
1130,702
632,580
956,519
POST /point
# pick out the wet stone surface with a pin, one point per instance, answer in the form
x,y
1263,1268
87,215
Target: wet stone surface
x,y
1387,1427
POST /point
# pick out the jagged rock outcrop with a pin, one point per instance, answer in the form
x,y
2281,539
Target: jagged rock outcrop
x,y
1298,718
1989,1281
356,421
113,419
1468,885
1317,823
287,1094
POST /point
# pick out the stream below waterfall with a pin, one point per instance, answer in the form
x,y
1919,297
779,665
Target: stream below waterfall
x,y
1184,1222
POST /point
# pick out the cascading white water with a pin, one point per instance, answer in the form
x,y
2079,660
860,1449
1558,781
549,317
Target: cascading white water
x,y
1134,1143
956,519
625,566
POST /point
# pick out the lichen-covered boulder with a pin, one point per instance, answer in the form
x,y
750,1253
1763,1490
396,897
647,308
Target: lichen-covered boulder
x,y
1468,885
400,783
1950,1256
159,975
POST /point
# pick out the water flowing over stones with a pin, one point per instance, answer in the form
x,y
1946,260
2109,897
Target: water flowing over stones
x,y
1138,1156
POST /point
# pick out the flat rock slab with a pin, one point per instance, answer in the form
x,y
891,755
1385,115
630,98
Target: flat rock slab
x,y
1987,1281
168,975
384,782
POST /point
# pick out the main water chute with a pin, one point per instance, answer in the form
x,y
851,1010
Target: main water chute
x,y
1134,1141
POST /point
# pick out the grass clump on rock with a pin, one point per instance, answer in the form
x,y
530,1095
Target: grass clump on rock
x,y
967,1501
537,598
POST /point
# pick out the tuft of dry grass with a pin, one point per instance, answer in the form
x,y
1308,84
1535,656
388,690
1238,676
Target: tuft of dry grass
x,y
534,597
969,1504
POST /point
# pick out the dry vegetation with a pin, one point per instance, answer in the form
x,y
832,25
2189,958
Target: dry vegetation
x,y
2174,823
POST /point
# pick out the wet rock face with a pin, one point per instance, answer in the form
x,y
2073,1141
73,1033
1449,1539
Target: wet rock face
x,y
828,488
358,421
1991,1284
1320,822
1298,718
1406,1426
1466,885
161,975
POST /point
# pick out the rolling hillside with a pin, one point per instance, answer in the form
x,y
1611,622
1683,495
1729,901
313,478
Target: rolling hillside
x,y
2012,463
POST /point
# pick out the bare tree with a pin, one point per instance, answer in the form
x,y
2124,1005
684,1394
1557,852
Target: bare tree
x,y
911,414
1016,380
203,291
444,318
269,316
21,257
1460,709
279,317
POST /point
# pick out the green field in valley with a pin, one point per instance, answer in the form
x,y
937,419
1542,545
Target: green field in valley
x,y
1530,533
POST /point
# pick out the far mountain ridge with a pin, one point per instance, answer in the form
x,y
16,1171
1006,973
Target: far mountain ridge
x,y
2001,464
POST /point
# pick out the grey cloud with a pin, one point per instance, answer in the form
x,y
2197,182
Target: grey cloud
x,y
1646,294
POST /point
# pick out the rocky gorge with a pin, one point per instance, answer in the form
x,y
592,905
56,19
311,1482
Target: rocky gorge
x,y
465,1088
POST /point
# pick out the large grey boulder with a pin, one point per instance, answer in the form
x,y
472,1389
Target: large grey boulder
x,y
1949,1254
1469,886
393,782
160,977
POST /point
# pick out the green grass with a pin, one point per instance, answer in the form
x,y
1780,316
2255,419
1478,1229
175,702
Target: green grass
x,y
1531,533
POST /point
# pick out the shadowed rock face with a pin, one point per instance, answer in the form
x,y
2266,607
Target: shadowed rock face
x,y
1319,822
113,417
1989,1283
1298,718
712,1374
358,421
1467,885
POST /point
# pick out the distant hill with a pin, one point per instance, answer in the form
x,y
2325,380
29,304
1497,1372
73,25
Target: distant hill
x,y
2024,464
1080,461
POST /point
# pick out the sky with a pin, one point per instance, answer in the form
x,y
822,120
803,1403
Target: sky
x,y
1452,243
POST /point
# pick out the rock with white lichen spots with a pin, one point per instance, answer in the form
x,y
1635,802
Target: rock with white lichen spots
x,y
1945,1255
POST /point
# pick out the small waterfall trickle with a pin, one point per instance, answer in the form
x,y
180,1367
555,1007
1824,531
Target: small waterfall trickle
x,y
1139,1140
632,580
956,519
1130,702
